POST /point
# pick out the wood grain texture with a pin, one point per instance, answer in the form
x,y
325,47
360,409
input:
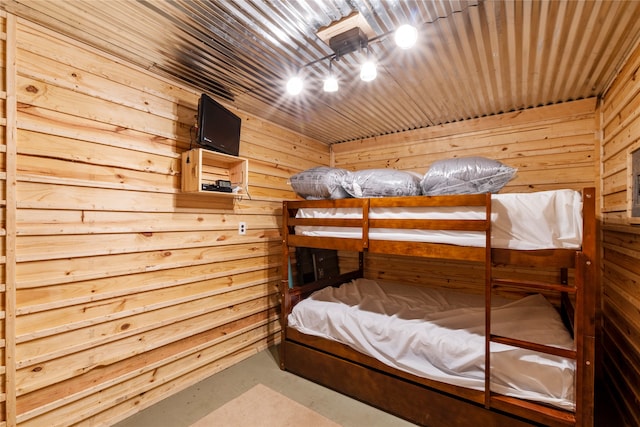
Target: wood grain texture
x,y
9,205
126,289
552,147
620,119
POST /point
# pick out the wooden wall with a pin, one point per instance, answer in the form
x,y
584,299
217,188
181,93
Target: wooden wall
x,y
119,289
552,147
620,118
8,224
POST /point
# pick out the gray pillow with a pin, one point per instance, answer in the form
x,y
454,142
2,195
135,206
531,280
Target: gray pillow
x,y
466,175
321,182
381,183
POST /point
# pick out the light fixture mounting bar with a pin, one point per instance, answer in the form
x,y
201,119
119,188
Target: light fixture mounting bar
x,y
349,41
354,20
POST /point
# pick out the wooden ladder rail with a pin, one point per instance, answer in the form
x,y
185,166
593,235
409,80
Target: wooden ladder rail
x,y
523,407
537,286
583,327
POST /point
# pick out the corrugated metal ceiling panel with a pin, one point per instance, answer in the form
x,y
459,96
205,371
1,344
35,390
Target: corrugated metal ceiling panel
x,y
474,58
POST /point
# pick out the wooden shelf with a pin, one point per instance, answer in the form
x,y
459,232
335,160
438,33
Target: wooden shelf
x,y
200,166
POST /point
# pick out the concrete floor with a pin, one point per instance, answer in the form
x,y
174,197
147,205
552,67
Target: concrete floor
x,y
186,407
193,403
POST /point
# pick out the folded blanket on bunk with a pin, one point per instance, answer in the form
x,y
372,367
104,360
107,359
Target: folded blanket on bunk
x,y
439,334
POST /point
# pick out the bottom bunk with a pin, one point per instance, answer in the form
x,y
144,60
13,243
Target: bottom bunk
x,y
419,353
438,334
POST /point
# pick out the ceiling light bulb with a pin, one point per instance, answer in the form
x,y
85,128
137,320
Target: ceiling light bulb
x,y
368,71
294,85
406,36
330,84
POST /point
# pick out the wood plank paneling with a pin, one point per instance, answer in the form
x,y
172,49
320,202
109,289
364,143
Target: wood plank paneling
x,y
620,121
552,147
9,206
125,290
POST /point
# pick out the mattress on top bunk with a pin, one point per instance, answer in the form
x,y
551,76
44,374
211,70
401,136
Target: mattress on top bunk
x,y
524,221
439,335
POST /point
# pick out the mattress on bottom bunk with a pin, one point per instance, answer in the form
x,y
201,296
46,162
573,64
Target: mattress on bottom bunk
x,y
523,221
439,335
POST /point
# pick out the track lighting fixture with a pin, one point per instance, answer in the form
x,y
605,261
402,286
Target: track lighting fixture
x,y
368,71
406,36
295,85
331,82
349,41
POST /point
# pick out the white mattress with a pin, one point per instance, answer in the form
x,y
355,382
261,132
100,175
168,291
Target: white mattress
x,y
440,335
525,221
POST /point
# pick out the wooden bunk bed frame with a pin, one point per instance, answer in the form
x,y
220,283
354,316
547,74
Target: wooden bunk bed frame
x,y
423,401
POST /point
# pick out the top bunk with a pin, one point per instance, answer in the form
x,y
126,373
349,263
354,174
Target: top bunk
x,y
535,228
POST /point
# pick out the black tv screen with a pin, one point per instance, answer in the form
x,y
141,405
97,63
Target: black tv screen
x,y
218,128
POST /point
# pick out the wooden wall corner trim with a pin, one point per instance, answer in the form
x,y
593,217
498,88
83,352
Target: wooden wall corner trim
x,y
10,235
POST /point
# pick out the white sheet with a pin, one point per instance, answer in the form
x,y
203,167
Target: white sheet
x,y
440,335
524,221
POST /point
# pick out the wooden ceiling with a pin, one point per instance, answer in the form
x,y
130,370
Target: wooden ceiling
x,y
473,58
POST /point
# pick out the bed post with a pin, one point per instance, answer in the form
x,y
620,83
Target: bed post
x,y
285,303
586,278
488,284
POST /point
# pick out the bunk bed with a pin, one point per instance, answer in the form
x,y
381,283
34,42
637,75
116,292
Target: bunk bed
x,y
370,226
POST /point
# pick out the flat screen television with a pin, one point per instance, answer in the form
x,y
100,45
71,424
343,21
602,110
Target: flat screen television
x,y
218,128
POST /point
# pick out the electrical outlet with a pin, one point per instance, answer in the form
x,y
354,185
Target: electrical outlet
x,y
242,228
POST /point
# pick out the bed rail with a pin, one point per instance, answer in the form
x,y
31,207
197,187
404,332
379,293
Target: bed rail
x,y
363,222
